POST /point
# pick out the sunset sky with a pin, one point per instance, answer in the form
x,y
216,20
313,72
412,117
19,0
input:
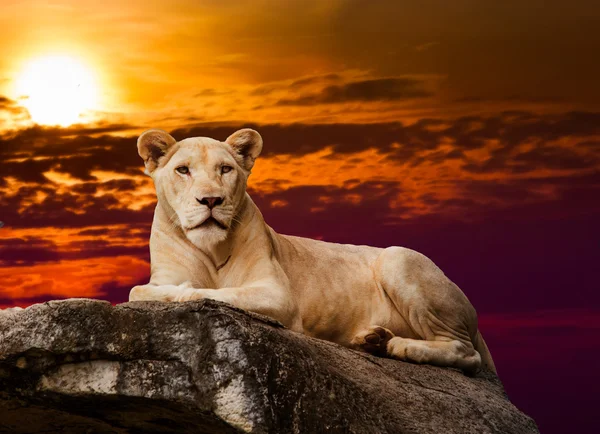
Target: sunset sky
x,y
467,130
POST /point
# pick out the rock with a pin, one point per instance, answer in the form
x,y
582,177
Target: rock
x,y
205,367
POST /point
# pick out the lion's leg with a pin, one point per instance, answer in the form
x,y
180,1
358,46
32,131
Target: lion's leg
x,y
444,352
435,318
151,292
268,300
272,301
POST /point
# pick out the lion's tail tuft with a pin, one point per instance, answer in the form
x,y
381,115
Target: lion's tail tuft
x,y
484,352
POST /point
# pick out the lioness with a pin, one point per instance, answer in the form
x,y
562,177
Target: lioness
x,y
209,240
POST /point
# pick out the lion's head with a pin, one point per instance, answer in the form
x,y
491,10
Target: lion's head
x,y
201,181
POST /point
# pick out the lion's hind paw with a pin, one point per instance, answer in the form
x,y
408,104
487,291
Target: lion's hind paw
x,y
373,340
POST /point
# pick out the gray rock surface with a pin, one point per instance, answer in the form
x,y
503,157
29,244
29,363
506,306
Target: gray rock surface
x,y
204,367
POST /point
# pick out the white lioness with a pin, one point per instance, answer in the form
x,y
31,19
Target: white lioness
x,y
209,240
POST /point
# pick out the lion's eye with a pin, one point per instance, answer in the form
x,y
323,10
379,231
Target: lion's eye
x,y
226,169
183,170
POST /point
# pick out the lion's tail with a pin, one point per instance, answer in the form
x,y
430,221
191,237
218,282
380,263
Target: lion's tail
x,y
486,357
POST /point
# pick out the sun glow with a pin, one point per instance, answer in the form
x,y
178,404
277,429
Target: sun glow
x,y
57,90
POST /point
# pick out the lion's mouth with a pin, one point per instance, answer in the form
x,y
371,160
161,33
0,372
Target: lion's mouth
x,y
211,221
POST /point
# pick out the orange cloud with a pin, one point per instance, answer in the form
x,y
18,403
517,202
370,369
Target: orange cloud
x,y
74,278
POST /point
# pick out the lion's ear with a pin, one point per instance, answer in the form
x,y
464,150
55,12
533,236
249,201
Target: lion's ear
x,y
152,145
247,143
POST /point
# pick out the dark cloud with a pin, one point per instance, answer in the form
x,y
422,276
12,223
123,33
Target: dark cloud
x,y
114,185
475,201
28,170
511,99
555,158
107,250
70,153
29,251
509,130
79,151
45,135
70,210
7,103
118,232
302,82
322,211
542,156
210,92
95,232
382,89
265,89
79,155
83,130
268,89
13,108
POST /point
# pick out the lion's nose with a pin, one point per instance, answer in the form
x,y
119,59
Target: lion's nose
x,y
210,202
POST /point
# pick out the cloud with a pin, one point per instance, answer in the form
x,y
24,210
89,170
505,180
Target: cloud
x,y
323,211
11,106
305,81
509,129
78,177
11,112
28,153
382,89
71,210
81,277
555,158
27,251
20,249
296,85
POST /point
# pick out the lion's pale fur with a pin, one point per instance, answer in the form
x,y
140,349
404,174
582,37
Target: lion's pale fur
x,y
337,292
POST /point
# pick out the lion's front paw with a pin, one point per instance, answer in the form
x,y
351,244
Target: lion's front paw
x,y
137,293
153,293
190,294
373,340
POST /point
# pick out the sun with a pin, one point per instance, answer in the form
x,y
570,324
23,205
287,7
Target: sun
x,y
57,90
